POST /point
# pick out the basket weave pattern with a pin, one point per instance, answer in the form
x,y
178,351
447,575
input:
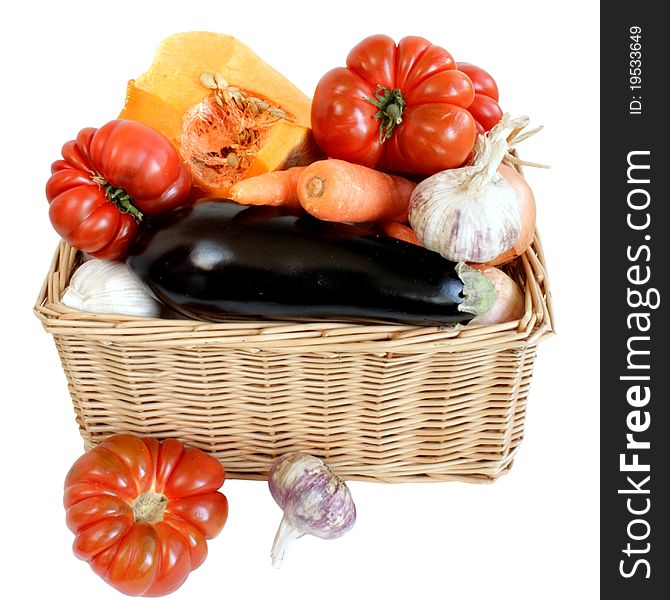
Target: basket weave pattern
x,y
379,402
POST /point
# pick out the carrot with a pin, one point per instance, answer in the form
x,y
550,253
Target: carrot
x,y
275,188
400,232
336,190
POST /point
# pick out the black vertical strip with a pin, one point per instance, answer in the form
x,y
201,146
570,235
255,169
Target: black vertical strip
x,y
635,348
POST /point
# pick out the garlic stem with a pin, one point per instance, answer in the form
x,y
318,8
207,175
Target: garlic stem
x,y
286,533
516,136
490,151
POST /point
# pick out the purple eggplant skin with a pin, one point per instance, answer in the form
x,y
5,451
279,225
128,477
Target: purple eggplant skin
x,y
217,260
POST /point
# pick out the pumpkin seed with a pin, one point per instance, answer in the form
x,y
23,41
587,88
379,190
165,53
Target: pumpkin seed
x,y
207,79
235,93
232,159
221,83
277,112
260,104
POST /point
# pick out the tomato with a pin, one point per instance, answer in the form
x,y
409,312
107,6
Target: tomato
x,y
396,107
142,510
484,107
108,180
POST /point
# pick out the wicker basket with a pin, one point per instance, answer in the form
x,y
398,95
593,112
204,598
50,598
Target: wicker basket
x,y
378,402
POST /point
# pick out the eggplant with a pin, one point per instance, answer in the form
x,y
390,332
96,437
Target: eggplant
x,y
218,259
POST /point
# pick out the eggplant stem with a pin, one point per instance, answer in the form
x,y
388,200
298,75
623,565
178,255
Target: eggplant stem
x,y
286,533
478,290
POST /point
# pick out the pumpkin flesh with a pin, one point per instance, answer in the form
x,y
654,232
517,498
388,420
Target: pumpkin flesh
x,y
224,132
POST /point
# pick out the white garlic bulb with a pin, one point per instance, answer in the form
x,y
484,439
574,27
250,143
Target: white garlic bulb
x,y
470,214
103,286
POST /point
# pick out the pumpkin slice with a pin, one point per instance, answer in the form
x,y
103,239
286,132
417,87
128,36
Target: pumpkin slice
x,y
229,113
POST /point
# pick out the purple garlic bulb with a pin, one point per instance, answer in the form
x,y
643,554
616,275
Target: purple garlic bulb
x,y
313,499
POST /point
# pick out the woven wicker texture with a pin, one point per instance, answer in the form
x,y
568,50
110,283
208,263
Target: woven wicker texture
x,y
378,402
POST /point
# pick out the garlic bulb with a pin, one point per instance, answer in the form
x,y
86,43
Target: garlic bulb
x,y
102,286
313,499
470,214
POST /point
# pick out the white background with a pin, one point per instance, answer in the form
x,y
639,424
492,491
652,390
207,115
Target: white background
x,y
533,533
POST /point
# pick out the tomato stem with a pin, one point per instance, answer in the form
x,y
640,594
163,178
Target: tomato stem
x,y
149,507
119,197
391,105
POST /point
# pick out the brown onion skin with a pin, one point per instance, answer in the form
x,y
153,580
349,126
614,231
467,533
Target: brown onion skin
x,y
527,199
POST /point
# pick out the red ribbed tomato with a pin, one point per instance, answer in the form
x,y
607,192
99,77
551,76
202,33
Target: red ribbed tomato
x,y
484,107
397,107
142,511
108,179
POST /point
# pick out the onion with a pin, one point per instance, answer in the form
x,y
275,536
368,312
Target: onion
x,y
509,304
527,200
